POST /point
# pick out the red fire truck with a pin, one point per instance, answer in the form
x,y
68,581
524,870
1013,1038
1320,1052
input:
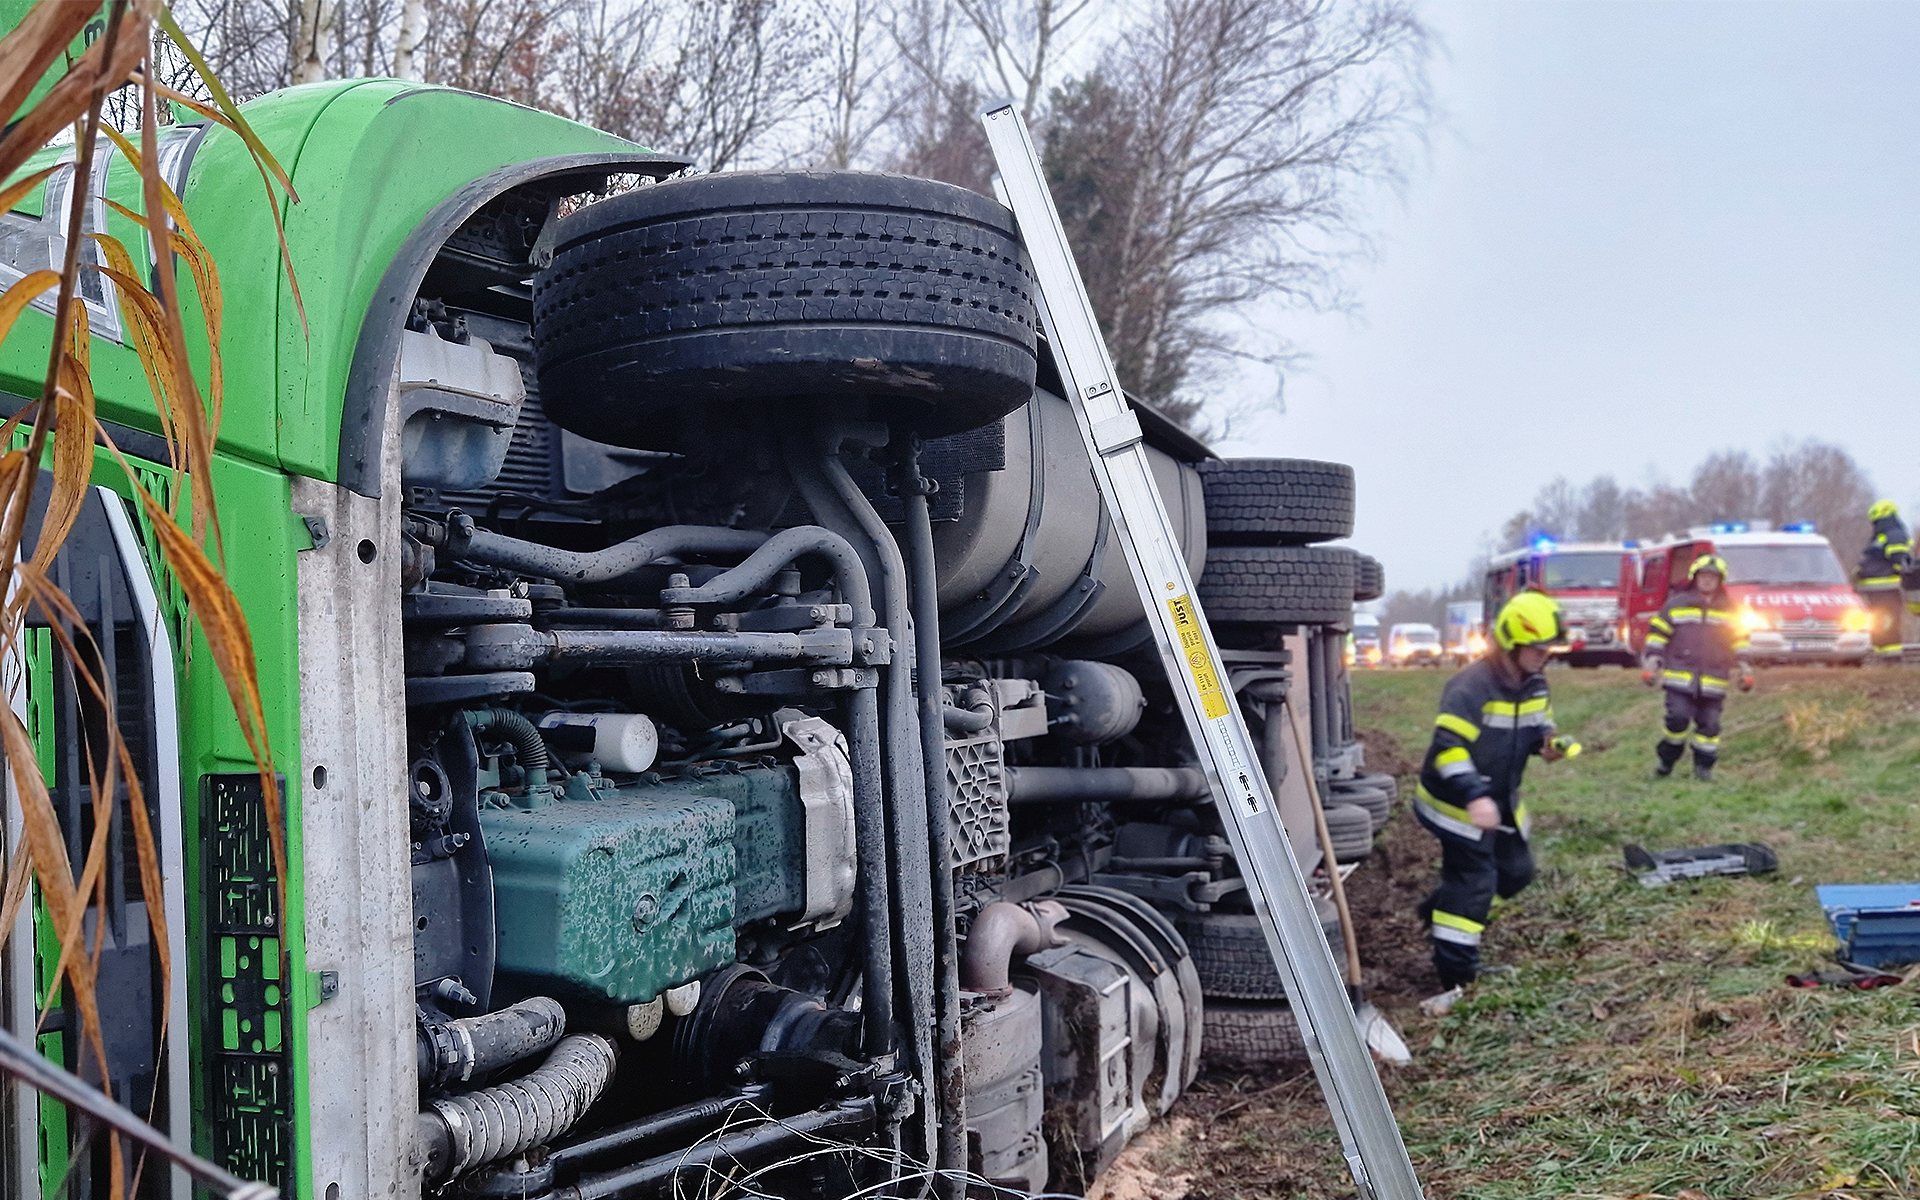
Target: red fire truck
x,y
1585,578
1796,602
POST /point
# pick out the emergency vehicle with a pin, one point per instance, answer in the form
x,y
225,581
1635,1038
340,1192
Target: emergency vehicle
x,y
1795,600
1584,577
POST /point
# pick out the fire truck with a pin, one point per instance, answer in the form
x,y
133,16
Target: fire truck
x,y
1796,602
1585,578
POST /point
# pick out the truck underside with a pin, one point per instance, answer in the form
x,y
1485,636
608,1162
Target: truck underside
x,y
732,752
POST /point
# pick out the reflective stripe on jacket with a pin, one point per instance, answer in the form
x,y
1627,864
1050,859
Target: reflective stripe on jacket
x,y
1700,642
1482,738
1888,555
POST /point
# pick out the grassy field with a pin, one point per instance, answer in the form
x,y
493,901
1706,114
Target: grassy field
x,y
1644,1043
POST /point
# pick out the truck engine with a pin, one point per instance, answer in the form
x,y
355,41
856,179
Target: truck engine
x,y
796,803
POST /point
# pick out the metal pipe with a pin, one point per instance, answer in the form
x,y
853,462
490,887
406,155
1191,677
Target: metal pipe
x,y
26,1064
467,541
849,1120
975,716
948,1062
619,618
1055,785
906,779
522,647
688,1119
1001,931
869,777
874,879
774,556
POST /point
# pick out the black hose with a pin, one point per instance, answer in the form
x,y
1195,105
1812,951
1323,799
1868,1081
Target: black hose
x,y
948,1062
687,1120
463,1131
752,1146
457,1050
875,879
776,555
467,541
529,748
907,786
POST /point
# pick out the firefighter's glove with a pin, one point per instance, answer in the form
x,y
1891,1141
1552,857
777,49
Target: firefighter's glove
x,y
1484,813
1650,670
1746,678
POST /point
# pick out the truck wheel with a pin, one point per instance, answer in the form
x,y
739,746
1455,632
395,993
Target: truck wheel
x,y
1284,585
1249,1036
1230,952
1277,501
1369,578
784,287
1351,828
1378,804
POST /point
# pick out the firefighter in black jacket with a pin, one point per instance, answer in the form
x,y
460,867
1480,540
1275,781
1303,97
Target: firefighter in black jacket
x,y
1695,650
1888,556
1494,715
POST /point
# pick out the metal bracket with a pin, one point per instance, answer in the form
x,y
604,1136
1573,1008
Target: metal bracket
x,y
317,530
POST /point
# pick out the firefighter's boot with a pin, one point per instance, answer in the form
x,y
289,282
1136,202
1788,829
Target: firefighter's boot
x,y
1669,748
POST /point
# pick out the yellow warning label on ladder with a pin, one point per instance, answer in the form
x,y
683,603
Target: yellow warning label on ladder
x,y
1193,646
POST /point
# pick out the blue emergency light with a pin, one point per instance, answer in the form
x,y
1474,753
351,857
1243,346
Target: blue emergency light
x,y
1729,527
1543,544
1799,527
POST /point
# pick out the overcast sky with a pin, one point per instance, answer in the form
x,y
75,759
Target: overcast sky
x,y
1646,231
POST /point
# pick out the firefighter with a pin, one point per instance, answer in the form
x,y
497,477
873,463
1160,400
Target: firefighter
x,y
1695,647
1888,556
1494,715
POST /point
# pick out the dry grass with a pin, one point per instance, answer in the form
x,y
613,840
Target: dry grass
x,y
1644,1045
1815,728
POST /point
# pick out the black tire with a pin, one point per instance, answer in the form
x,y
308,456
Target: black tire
x,y
1283,585
1230,952
1250,1036
1277,501
1369,577
1378,780
763,287
1351,828
1379,804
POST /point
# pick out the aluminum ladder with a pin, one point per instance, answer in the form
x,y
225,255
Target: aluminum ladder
x,y
1369,1137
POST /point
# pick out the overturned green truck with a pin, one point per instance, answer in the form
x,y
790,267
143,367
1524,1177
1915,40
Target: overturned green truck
x,y
721,743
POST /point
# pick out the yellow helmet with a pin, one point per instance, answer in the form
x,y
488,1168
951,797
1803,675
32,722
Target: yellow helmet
x,y
1529,619
1882,508
1708,562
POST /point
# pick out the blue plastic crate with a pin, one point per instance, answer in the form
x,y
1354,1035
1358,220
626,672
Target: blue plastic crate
x,y
1878,924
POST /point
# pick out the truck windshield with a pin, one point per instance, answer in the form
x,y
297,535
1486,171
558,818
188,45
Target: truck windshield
x,y
1783,565
1597,570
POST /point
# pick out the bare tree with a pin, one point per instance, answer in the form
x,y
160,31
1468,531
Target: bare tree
x,y
1023,41
1726,487
1603,511
312,40
406,43
858,63
1215,157
1817,482
248,43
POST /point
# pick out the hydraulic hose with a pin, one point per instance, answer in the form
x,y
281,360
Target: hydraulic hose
x,y
457,1133
774,556
456,1051
948,1062
906,777
520,733
467,541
